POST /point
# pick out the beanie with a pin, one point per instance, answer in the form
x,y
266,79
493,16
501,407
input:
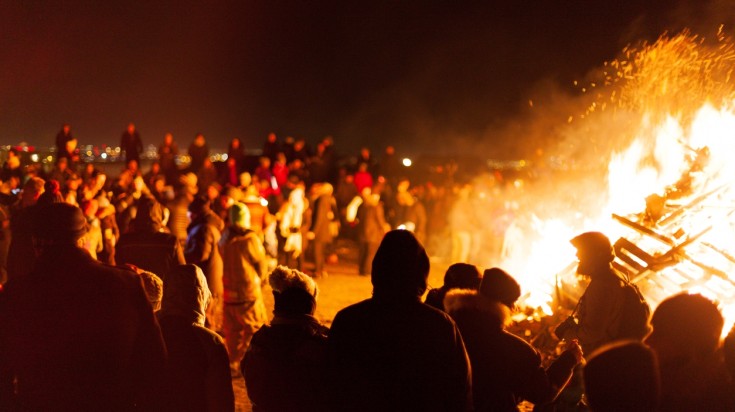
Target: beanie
x,y
239,215
59,222
498,285
594,244
294,292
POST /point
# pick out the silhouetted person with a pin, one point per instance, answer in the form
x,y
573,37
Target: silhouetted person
x,y
131,144
686,338
197,373
371,227
198,151
458,276
21,255
76,334
505,368
392,352
284,367
146,245
324,213
62,138
622,377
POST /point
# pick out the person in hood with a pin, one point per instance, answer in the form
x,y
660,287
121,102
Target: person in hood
x,y
203,235
393,352
76,335
284,367
458,276
245,264
21,256
197,373
147,245
505,368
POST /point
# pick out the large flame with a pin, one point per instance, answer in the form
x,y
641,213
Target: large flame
x,y
663,120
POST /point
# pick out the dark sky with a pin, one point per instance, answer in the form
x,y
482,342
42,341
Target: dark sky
x,y
424,75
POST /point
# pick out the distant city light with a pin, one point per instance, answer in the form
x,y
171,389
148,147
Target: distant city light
x,y
34,157
407,162
224,157
103,155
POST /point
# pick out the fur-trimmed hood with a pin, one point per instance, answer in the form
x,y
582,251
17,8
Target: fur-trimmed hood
x,y
465,304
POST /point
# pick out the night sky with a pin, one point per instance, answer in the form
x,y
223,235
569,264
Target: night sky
x,y
424,75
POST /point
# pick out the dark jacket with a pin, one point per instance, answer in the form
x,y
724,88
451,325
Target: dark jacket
x,y
77,335
386,354
284,367
202,249
505,368
21,256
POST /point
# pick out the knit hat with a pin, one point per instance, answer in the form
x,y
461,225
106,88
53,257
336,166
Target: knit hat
x,y
239,215
294,292
59,222
498,285
594,244
462,276
401,266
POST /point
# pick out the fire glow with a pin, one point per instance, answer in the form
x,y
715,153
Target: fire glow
x,y
668,184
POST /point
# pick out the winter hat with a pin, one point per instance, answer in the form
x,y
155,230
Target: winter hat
x,y
294,292
594,244
186,294
239,215
59,222
149,215
51,193
400,266
498,285
153,287
462,276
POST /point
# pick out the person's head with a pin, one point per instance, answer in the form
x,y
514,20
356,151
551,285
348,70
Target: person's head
x,y
622,376
199,139
462,276
199,206
235,143
131,128
51,193
186,293
499,286
213,191
685,325
89,207
400,267
132,165
58,224
594,252
390,150
62,163
153,287
66,127
265,162
149,215
271,137
245,179
294,292
168,139
239,215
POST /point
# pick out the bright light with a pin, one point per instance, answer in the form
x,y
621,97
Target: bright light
x,y
34,158
407,162
103,155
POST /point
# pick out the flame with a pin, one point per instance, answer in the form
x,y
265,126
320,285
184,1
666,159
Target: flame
x,y
671,105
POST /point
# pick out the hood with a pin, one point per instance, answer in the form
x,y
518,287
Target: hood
x,y
149,216
185,294
464,303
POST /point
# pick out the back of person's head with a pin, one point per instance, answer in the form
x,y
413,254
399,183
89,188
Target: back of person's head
x,y
51,193
462,276
499,286
239,215
32,189
153,287
686,325
199,206
186,294
595,245
149,215
400,267
294,292
622,377
58,224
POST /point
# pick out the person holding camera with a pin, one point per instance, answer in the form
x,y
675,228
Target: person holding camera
x,y
603,299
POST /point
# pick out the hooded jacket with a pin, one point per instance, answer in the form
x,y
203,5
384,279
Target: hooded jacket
x,y
245,264
202,249
197,374
505,368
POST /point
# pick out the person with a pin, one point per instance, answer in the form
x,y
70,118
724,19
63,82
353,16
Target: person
x,y
21,255
62,138
622,376
198,151
505,368
371,227
167,153
147,245
197,375
203,235
414,214
295,220
392,352
245,264
12,167
131,144
271,146
324,215
602,301
457,276
284,367
686,338
236,152
76,334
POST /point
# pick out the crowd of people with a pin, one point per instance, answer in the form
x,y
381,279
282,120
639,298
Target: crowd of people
x,y
146,292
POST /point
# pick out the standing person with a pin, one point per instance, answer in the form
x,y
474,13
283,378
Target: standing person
x,y
198,151
21,255
196,377
62,138
245,266
392,352
284,367
271,147
295,219
236,152
131,144
203,235
76,334
371,227
324,213
167,153
505,368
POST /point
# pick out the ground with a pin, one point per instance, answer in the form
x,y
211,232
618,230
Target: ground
x,y
342,287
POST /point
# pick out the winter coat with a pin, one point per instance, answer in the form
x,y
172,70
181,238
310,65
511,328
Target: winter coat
x,y
599,310
324,212
397,355
371,223
505,368
245,264
21,256
77,335
202,249
284,366
197,374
